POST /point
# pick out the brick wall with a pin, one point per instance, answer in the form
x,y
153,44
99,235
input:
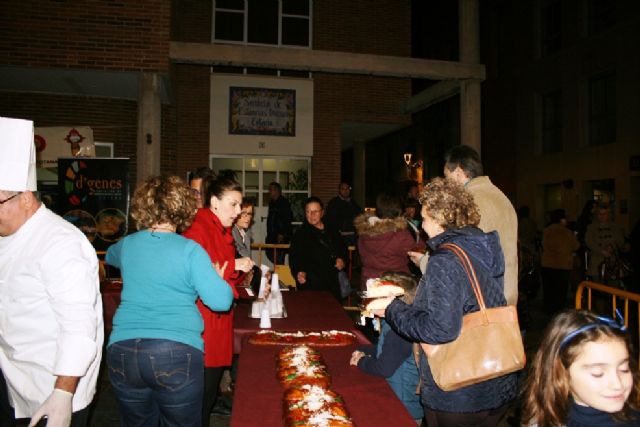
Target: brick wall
x,y
128,35
191,21
381,27
113,35
192,95
344,98
338,25
111,120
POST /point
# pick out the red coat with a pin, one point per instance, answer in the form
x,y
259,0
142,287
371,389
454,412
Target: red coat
x,y
218,326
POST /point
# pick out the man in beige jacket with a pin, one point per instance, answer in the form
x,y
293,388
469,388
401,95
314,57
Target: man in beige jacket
x,y
462,164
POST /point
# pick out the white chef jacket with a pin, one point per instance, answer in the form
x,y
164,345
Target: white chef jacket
x,y
50,311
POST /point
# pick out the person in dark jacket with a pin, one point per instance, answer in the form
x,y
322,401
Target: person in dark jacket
x,y
341,211
278,222
317,252
392,358
445,295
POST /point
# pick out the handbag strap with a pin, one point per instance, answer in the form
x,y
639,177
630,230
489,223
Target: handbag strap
x,y
471,273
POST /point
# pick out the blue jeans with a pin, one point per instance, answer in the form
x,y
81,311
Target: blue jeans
x,y
157,381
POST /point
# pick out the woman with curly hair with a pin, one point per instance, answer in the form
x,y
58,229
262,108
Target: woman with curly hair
x,y
444,296
583,375
155,352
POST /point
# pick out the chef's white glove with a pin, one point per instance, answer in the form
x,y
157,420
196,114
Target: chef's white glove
x,y
57,408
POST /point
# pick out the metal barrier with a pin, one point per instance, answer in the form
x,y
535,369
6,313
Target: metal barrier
x,y
619,298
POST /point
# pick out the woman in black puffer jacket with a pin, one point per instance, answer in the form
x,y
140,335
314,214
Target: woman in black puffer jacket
x,y
445,295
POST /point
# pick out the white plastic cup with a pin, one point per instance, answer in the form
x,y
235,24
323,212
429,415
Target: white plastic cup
x,y
265,318
275,284
263,284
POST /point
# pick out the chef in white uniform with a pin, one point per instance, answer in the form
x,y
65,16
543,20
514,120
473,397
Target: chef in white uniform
x,y
51,329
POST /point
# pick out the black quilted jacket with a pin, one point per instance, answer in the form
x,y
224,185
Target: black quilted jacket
x,y
444,295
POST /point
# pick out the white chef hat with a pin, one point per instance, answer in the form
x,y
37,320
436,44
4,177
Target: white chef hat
x,y
17,155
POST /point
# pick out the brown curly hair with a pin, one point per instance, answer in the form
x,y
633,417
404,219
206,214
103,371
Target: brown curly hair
x,y
449,204
163,199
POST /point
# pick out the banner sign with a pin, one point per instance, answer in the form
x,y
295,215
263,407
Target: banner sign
x,y
62,141
93,194
262,111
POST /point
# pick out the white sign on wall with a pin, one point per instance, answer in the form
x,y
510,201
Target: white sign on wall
x,y
261,115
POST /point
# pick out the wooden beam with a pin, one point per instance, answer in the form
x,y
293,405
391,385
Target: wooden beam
x,y
322,61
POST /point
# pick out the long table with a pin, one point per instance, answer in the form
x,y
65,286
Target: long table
x,y
258,395
306,311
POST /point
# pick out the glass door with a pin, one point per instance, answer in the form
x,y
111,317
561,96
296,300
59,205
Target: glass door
x,y
255,174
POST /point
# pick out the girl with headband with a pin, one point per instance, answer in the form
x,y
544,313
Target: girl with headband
x,y
583,375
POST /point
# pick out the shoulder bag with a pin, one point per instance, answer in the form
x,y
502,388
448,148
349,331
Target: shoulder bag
x,y
489,344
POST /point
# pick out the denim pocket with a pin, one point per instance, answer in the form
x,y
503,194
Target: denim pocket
x,y
115,362
172,370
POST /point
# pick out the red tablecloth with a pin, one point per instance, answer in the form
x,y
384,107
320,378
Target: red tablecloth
x,y
257,398
306,310
258,395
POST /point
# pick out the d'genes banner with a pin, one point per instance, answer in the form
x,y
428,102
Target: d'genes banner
x,y
93,194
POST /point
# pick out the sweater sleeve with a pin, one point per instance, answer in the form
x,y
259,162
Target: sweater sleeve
x,y
439,318
214,291
369,350
113,254
395,350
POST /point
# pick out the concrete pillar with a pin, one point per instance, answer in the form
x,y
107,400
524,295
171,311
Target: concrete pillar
x,y
470,125
358,172
149,126
469,29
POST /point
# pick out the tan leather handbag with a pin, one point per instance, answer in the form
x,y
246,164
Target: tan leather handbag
x,y
489,344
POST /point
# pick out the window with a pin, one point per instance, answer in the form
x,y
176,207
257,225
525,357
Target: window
x,y
601,14
255,174
552,198
550,28
104,149
552,122
602,109
264,22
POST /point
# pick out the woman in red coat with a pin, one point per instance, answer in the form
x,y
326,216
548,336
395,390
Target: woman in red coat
x,y
211,228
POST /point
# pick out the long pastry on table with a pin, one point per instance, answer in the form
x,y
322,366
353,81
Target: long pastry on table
x,y
330,338
311,405
307,401
298,365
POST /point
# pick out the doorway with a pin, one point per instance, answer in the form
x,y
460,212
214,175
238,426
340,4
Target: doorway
x,y
602,191
255,174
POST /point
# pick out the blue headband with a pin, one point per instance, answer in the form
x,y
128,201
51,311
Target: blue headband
x,y
618,323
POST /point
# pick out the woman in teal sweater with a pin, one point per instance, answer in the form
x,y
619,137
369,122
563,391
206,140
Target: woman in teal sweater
x,y
155,352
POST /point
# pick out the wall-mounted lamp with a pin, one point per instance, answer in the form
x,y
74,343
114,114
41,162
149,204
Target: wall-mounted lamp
x,y
410,166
